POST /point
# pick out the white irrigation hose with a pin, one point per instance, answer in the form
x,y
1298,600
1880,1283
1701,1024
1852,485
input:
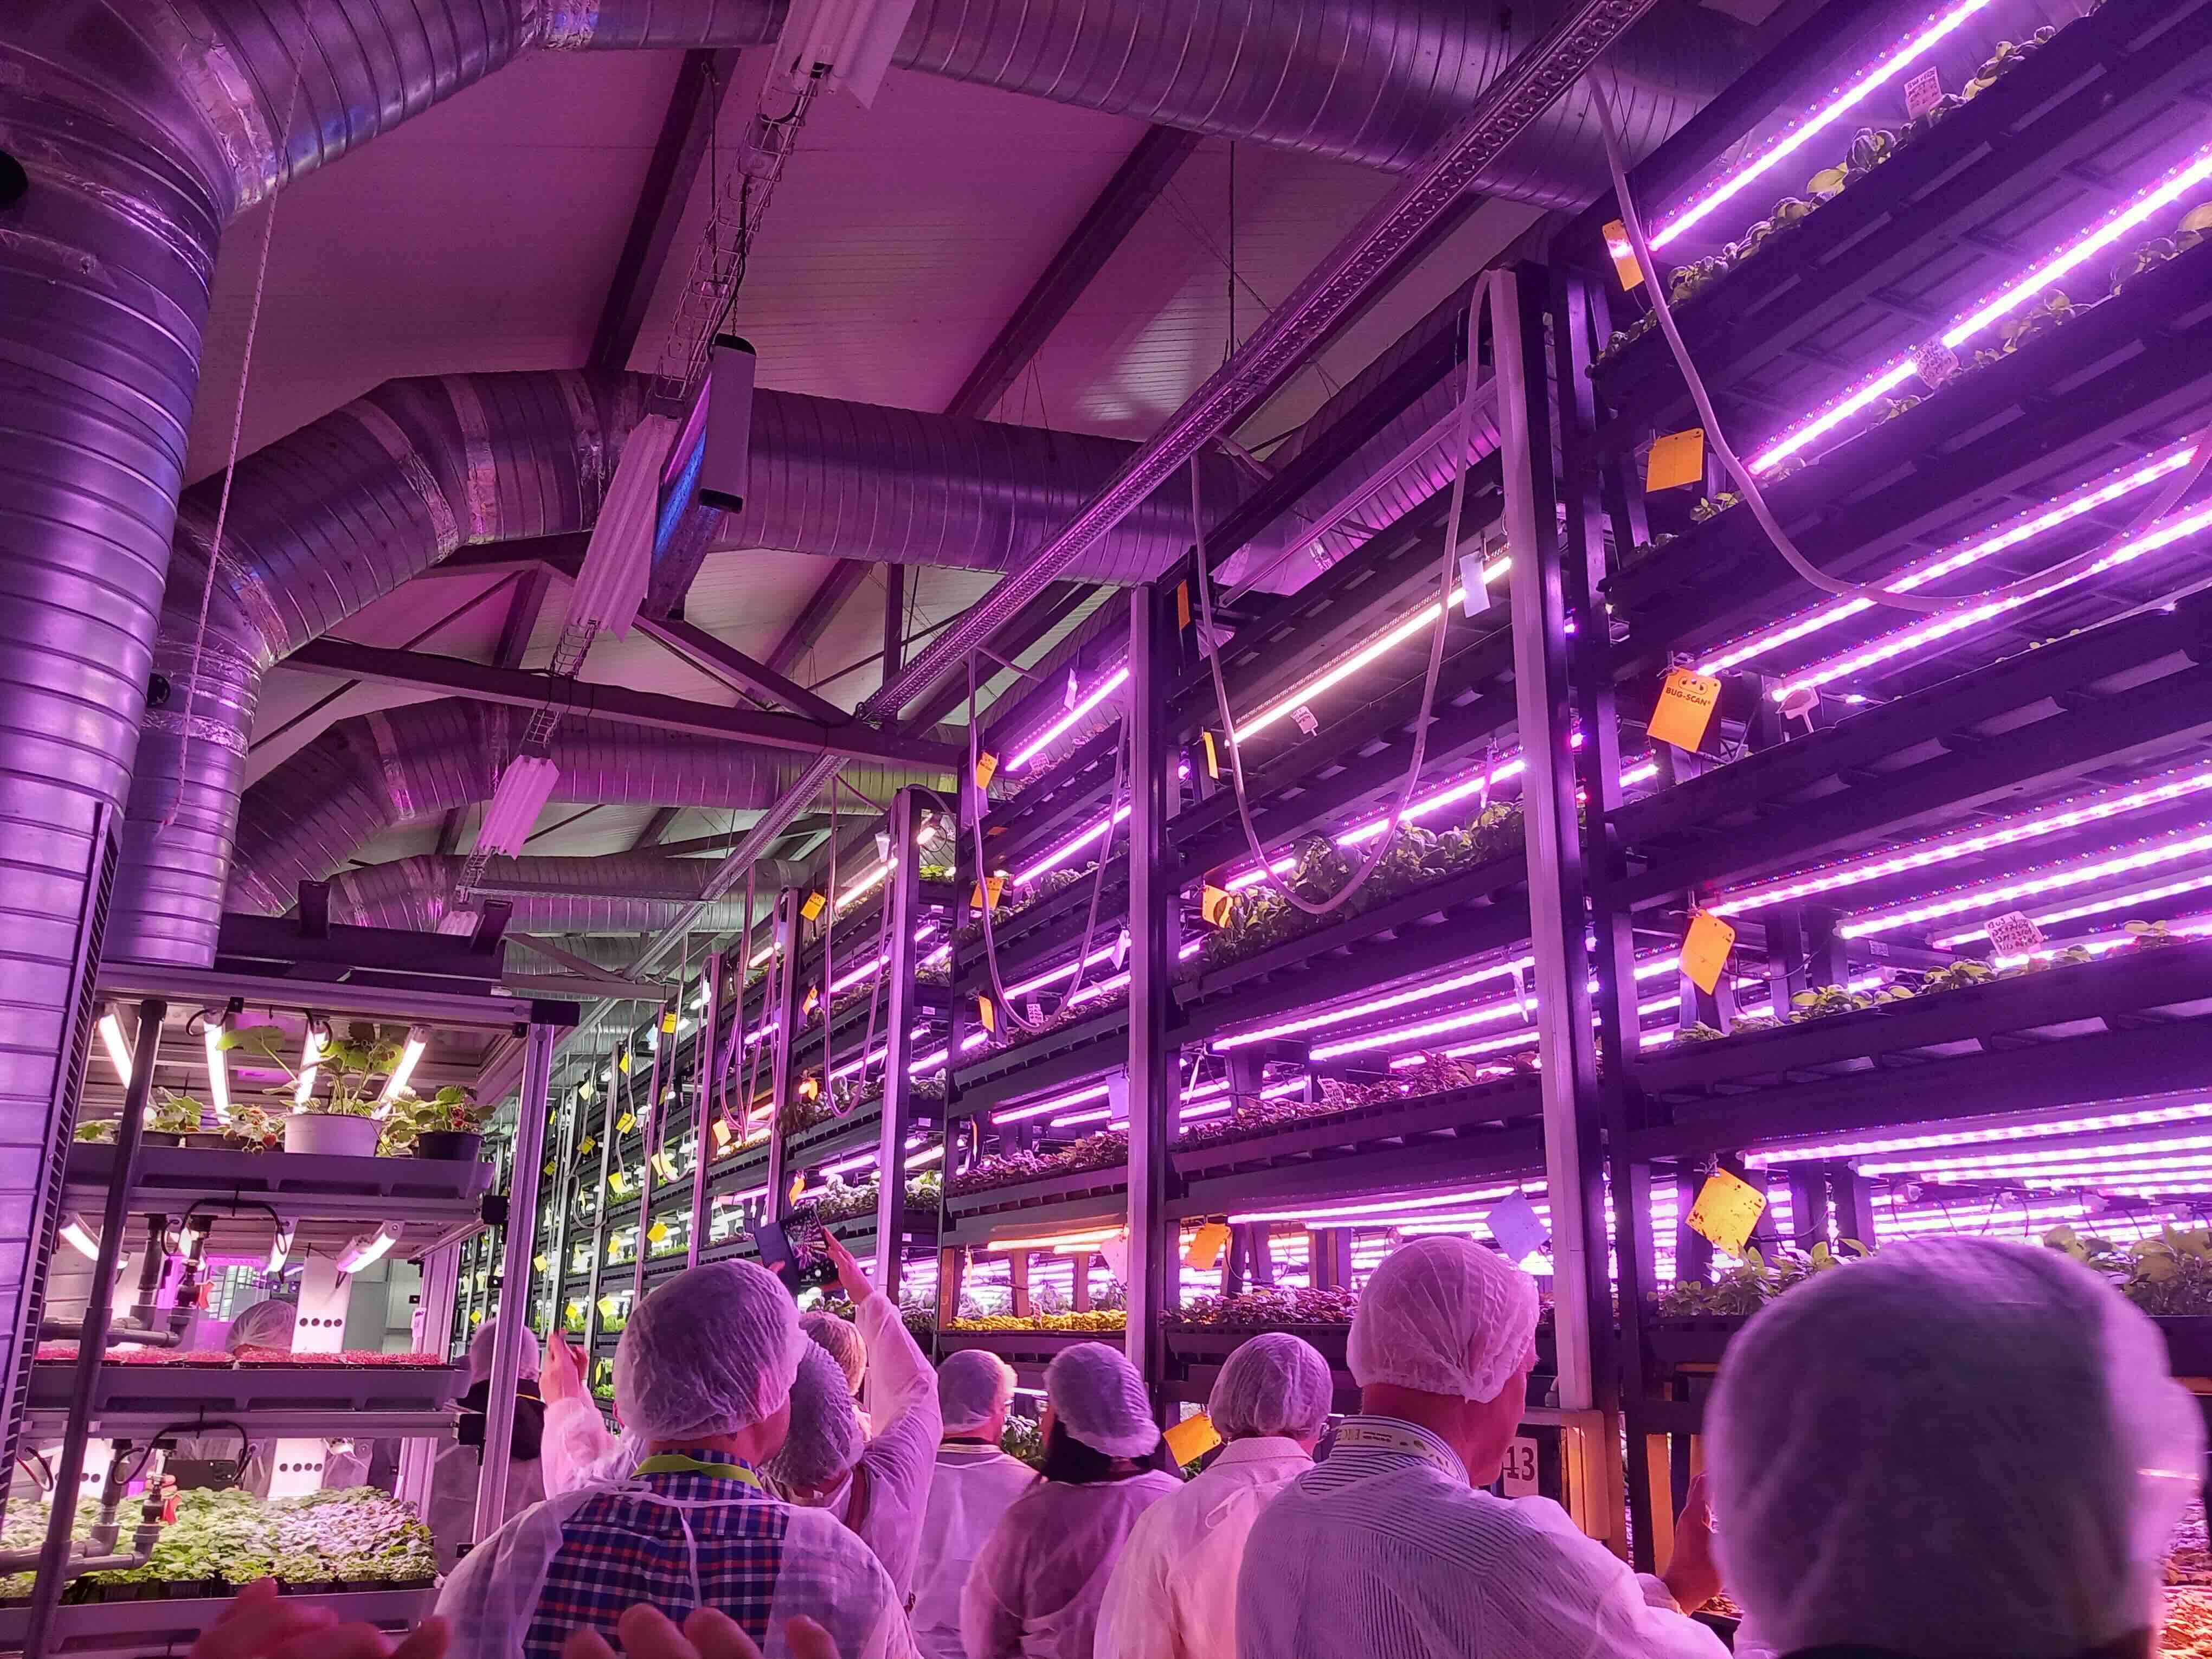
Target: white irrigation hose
x,y
1755,499
1483,297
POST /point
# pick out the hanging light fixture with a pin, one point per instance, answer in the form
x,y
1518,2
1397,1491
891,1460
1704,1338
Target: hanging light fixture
x,y
213,1033
312,1051
524,788
418,1039
119,1051
366,1251
281,1247
78,1237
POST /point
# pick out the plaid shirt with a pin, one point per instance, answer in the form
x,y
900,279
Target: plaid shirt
x,y
619,1549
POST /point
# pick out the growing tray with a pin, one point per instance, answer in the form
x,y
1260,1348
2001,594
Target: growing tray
x,y
1078,1196
173,1624
1080,1049
207,1392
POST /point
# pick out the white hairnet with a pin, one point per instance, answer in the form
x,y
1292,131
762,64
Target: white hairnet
x,y
1443,1316
264,1325
841,1339
824,1439
1272,1384
973,1387
1960,1447
480,1354
1097,1396
711,1351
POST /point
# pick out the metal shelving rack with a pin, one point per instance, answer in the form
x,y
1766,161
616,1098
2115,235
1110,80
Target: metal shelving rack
x,y
1862,839
446,1210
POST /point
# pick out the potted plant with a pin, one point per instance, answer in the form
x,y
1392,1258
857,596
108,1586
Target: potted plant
x,y
339,1112
171,1119
447,1124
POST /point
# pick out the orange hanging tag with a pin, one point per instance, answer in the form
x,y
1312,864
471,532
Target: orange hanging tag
x,y
1676,460
1705,949
989,1013
812,908
1624,256
986,768
1685,709
1183,604
1192,1439
1206,1245
1214,904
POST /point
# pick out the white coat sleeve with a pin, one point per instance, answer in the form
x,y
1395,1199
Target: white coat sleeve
x,y
990,1616
903,1393
1137,1619
577,1449
1585,1600
488,1600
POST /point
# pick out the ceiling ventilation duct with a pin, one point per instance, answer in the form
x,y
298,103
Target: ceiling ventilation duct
x,y
629,893
332,517
375,772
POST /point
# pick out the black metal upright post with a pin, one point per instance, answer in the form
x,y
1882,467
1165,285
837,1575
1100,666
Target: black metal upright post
x,y
903,895
726,990
562,1187
780,1008
609,1138
1152,918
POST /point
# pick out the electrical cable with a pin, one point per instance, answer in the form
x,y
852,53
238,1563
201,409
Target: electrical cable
x,y
2027,588
1483,297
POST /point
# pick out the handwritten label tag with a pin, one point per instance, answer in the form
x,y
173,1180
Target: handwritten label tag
x,y
1213,904
721,1134
1923,93
668,1023
1474,595
986,768
2014,933
1069,702
1116,1252
1676,460
1727,1209
1705,949
1686,706
813,906
1519,1472
1206,1245
1624,256
1121,951
1305,719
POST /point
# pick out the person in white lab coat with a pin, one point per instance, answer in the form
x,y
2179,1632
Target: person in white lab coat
x,y
452,1507
1173,1594
973,1484
1389,1549
1961,1446
702,1380
878,1488
1034,1590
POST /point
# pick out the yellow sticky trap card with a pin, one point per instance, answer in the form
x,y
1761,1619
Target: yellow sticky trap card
x,y
1192,1439
989,1013
1213,760
1206,1245
1213,904
1687,702
1727,1209
986,768
1705,949
812,908
1624,256
1676,460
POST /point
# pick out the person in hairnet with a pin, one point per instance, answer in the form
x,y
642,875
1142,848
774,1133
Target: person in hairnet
x,y
1390,1549
841,1341
973,1484
703,1381
878,1488
1173,1594
453,1478
1034,1590
1960,1447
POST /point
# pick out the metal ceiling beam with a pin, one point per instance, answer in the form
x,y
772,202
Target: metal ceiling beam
x,y
564,554
1036,619
856,740
655,828
726,662
1135,185
685,132
814,616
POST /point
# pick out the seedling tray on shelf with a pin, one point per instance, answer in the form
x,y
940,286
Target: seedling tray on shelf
x,y
1082,1049
1212,1344
191,1171
971,1217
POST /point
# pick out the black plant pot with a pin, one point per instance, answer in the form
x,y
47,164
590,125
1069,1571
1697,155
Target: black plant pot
x,y
157,1138
208,1143
462,1145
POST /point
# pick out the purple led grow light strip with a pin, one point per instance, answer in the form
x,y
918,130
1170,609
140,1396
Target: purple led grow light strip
x,y
1885,70
2097,907
2159,196
1889,647
2058,816
2025,528
1987,898
1089,701
1861,1145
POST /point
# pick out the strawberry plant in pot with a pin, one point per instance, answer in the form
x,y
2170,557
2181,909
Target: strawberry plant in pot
x,y
334,1092
447,1124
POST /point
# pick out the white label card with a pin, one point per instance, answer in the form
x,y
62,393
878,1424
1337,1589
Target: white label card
x,y
1520,1468
2014,933
1923,93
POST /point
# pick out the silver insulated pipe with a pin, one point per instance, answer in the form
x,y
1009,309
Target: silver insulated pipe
x,y
626,893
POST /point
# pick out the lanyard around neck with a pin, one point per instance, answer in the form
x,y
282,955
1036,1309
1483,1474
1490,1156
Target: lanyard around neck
x,y
677,1463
